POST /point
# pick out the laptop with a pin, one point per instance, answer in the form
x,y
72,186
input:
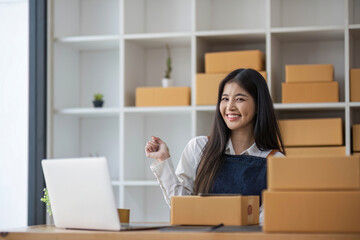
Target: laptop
x,y
81,195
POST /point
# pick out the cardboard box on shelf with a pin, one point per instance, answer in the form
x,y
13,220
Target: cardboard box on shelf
x,y
225,62
312,132
315,151
213,210
159,96
325,211
207,86
310,92
313,173
309,73
356,137
355,85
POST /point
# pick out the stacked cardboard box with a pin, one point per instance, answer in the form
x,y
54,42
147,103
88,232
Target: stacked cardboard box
x,y
314,137
218,65
310,83
356,137
355,85
312,194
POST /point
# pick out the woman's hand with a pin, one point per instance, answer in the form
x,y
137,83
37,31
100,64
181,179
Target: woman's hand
x,y
157,149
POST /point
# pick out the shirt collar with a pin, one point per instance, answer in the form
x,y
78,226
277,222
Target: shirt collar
x,y
253,150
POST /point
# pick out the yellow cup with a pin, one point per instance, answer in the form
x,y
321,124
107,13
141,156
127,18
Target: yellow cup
x,y
124,215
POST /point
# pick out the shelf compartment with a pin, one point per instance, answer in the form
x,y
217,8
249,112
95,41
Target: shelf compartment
x,y
85,17
75,136
174,129
90,42
314,47
204,121
231,42
146,204
157,16
81,74
354,12
145,64
293,13
230,14
354,48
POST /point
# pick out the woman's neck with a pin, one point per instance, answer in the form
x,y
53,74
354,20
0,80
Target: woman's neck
x,y
242,140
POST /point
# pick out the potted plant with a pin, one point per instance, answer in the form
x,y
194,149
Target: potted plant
x,y
98,100
167,81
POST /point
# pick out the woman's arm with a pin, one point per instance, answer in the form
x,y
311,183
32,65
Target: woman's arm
x,y
181,181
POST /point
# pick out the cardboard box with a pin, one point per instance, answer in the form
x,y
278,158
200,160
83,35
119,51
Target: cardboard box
x,y
315,151
225,62
310,92
314,173
356,137
355,85
309,73
159,96
213,210
312,132
333,212
207,87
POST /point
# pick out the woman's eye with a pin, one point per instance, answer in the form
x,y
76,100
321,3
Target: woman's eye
x,y
224,99
240,99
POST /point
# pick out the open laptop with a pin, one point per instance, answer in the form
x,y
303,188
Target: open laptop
x,y
81,195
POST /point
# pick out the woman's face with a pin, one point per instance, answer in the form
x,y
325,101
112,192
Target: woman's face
x,y
237,107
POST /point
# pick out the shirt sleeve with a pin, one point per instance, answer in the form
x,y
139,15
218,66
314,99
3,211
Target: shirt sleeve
x,y
181,181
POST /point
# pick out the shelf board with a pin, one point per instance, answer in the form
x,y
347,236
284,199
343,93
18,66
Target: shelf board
x,y
90,42
355,104
210,108
309,33
88,111
155,40
160,110
354,26
309,106
231,35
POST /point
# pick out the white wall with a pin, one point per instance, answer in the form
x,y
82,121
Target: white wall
x,y
14,86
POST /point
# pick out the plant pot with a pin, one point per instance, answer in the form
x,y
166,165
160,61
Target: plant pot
x,y
167,82
98,103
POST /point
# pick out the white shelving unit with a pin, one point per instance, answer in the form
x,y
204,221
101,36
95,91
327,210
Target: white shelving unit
x,y
114,46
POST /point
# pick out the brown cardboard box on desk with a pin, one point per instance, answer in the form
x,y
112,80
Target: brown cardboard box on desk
x,y
355,85
312,132
309,73
310,92
225,62
207,85
314,173
214,210
159,96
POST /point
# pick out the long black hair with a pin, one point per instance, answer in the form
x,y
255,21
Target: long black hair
x,y
266,130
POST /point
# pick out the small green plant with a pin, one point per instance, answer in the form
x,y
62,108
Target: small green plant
x,y
98,97
168,63
46,200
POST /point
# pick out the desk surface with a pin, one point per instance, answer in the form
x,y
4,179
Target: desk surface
x,y
43,232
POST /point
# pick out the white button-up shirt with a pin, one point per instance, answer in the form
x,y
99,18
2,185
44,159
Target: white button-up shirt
x,y
181,181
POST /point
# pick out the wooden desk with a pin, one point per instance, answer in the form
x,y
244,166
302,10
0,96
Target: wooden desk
x,y
43,232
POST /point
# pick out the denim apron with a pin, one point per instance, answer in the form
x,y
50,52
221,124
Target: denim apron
x,y
241,174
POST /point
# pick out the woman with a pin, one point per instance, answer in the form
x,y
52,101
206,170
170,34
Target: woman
x,y
233,158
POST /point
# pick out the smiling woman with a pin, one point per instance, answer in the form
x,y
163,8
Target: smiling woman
x,y
233,158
